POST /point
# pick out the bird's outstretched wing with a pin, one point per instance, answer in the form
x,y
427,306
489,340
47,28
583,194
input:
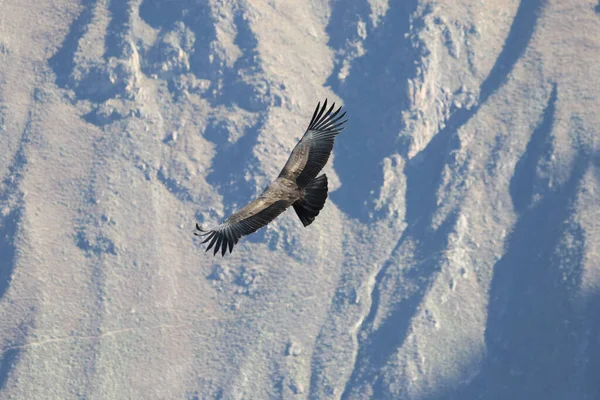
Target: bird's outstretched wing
x,y
244,222
312,151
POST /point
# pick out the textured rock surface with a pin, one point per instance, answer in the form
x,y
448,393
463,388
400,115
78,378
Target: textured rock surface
x,y
457,257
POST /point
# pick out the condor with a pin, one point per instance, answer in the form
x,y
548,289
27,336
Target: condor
x,y
297,185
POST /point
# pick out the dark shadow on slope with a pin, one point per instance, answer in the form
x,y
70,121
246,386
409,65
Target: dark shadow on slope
x,y
342,29
163,14
533,332
8,230
345,17
96,84
182,193
233,86
9,222
232,163
375,98
201,21
100,118
94,246
63,61
198,17
239,84
380,344
596,164
523,183
375,94
243,84
6,365
423,174
234,159
521,31
120,14
591,361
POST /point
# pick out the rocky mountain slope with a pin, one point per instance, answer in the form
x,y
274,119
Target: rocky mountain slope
x,y
457,256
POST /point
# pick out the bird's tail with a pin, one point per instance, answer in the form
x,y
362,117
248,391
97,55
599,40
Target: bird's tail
x,y
315,194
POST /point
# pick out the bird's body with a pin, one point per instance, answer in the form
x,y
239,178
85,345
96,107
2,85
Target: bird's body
x,y
297,185
281,190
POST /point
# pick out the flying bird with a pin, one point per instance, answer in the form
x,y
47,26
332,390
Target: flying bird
x,y
297,185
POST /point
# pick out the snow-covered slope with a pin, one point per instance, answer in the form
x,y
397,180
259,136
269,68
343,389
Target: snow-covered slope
x,y
457,256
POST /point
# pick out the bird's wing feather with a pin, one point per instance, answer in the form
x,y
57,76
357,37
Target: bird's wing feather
x,y
312,151
244,222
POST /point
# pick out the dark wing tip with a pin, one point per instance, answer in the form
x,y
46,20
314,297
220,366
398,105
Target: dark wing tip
x,y
317,118
204,233
212,242
219,242
312,120
221,238
324,119
224,245
209,237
